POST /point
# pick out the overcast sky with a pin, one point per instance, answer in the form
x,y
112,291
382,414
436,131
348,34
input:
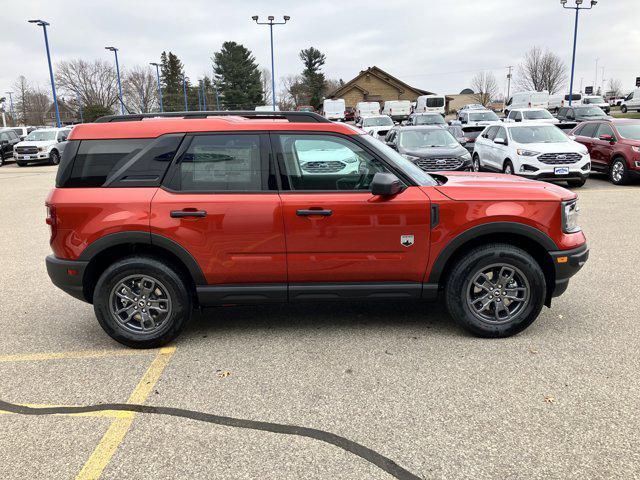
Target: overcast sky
x,y
437,45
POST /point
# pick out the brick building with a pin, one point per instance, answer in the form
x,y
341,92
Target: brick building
x,y
375,85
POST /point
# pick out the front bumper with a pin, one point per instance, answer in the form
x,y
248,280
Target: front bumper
x,y
34,157
67,275
566,264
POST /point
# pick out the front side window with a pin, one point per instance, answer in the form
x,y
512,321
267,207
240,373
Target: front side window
x,y
518,116
4,137
501,133
491,133
220,163
604,129
325,162
587,130
541,134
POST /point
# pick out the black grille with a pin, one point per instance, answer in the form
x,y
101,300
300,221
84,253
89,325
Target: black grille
x,y
27,150
559,158
323,167
441,163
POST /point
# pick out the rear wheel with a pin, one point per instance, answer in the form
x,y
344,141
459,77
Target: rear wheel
x,y
495,290
508,168
619,173
142,302
623,109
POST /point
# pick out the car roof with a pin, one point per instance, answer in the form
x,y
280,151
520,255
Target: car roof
x,y
155,126
432,114
419,127
528,109
526,124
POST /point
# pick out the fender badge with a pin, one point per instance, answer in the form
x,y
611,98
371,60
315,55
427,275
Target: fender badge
x,y
406,240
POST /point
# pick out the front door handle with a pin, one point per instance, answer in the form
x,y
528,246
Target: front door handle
x,y
188,213
306,213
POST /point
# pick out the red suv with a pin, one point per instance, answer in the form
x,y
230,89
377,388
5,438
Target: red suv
x,y
614,146
153,216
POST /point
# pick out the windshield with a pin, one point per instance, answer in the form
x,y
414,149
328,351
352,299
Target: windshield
x,y
537,115
594,100
412,139
429,120
590,112
483,116
631,132
377,122
541,134
41,136
409,168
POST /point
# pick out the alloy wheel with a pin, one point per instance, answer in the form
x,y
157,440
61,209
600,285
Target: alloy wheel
x,y
497,293
617,172
140,303
476,164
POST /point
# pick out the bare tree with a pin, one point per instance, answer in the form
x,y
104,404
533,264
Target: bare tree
x,y
139,90
615,87
31,103
541,70
94,82
485,86
294,90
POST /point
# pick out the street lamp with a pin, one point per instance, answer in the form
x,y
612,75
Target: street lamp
x,y
115,51
13,117
577,8
157,65
271,23
44,25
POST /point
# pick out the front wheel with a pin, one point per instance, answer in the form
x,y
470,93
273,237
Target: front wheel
x,y
142,302
623,109
496,290
508,168
619,174
54,157
476,163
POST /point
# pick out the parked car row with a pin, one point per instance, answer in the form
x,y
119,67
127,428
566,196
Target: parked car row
x,y
43,145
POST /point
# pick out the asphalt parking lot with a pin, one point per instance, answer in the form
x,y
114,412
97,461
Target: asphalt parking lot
x,y
346,391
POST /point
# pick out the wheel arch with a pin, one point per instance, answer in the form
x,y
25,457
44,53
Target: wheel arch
x,y
535,242
110,248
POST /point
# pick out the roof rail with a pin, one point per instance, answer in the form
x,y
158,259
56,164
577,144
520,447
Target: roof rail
x,y
302,117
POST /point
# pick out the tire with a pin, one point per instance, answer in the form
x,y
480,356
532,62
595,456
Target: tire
x,y
619,172
477,167
507,168
21,164
169,292
623,109
54,157
460,296
1,160
576,183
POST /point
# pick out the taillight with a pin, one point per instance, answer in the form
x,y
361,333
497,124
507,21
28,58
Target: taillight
x,y
51,221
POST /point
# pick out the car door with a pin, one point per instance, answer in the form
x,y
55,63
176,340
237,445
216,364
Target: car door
x,y
5,145
219,202
584,135
602,150
488,157
337,232
500,151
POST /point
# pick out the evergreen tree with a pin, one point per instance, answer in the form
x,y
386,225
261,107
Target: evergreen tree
x,y
237,78
313,79
171,72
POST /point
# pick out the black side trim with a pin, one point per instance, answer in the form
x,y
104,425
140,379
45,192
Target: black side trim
x,y
148,238
487,228
351,291
241,294
57,269
435,215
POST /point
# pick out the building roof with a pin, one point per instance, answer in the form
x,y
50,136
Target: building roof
x,y
376,72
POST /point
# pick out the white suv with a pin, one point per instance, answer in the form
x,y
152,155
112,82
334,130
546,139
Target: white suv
x,y
537,115
532,150
45,145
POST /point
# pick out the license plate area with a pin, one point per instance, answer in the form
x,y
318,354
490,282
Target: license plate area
x,y
561,171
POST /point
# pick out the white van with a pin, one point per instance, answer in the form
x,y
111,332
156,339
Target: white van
x,y
398,110
334,109
266,108
631,101
431,103
559,100
527,100
366,109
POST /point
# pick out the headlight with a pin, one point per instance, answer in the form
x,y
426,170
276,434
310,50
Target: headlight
x,y
526,153
41,149
410,157
466,157
570,212
636,149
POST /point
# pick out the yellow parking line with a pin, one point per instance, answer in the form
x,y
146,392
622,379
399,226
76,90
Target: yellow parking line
x,y
116,432
33,357
100,413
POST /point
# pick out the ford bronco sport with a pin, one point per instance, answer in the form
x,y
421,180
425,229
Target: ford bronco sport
x,y
155,214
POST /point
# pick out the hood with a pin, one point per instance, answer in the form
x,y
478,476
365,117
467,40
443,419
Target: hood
x,y
496,187
435,152
384,128
560,147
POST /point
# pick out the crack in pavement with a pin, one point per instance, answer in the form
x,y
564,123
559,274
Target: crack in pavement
x,y
371,456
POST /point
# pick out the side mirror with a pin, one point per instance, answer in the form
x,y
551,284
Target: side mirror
x,y
607,138
500,140
386,184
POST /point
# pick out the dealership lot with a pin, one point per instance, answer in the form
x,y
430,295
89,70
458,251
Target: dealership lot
x,y
559,400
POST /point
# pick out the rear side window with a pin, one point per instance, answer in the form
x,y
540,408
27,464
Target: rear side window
x,y
435,102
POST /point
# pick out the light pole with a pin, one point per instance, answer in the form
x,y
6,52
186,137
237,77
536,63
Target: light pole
x,y
271,23
184,90
204,98
44,25
79,107
157,65
13,117
115,51
577,8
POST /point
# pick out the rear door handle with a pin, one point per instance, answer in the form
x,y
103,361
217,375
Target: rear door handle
x,y
188,213
306,213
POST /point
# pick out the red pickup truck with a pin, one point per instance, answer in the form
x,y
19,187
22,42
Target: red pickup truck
x,y
155,214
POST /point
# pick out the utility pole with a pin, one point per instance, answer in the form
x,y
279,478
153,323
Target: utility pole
x,y
510,67
595,82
